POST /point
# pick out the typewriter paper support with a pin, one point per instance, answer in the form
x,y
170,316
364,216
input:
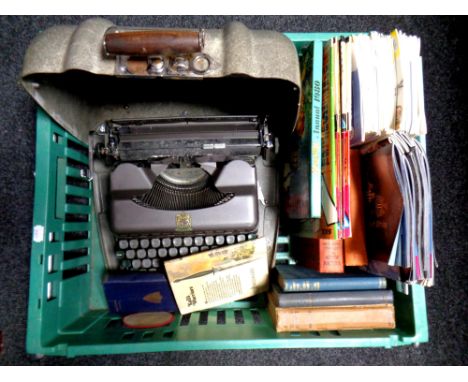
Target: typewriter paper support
x,y
97,79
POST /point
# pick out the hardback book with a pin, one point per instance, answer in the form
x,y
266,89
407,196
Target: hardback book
x,y
135,292
346,103
339,298
329,224
323,255
355,252
296,278
316,131
383,200
336,99
359,317
302,170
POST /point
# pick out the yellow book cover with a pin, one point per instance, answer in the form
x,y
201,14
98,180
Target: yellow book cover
x,y
219,276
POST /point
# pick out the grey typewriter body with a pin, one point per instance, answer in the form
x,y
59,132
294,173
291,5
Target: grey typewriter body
x,y
183,128
178,186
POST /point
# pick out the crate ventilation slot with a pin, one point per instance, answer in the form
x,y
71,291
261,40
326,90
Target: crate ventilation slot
x,y
257,318
114,323
128,336
203,319
76,164
185,320
76,218
77,146
239,317
75,253
74,272
72,199
221,317
78,182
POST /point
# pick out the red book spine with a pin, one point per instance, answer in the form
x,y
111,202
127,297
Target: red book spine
x,y
346,212
323,255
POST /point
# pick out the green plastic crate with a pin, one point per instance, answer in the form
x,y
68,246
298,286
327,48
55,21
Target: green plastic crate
x,y
67,309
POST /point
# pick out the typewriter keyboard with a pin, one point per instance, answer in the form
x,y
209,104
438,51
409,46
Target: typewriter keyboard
x,y
149,253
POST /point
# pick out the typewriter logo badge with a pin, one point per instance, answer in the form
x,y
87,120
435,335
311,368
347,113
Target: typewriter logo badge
x,y
183,222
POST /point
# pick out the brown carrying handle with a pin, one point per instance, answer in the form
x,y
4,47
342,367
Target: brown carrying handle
x,y
149,42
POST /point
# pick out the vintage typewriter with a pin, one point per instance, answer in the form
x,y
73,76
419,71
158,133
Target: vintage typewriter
x,y
183,185
184,128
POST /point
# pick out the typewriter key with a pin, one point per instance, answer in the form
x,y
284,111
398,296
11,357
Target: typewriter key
x,y
194,249
183,251
123,244
173,252
162,252
177,241
209,240
146,263
144,243
220,240
155,263
136,264
188,241
166,242
130,254
134,243
230,239
141,253
155,243
199,240
240,238
151,253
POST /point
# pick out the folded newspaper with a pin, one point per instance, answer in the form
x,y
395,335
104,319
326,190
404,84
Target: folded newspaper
x,y
399,210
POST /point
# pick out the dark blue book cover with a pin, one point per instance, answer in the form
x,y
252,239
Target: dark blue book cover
x,y
294,278
128,293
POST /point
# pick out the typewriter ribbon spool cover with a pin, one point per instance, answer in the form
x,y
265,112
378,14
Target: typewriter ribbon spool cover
x,y
183,128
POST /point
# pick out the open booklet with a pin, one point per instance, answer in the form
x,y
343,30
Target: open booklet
x,y
399,210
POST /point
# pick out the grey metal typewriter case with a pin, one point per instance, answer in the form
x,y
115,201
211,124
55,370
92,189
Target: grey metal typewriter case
x,y
235,71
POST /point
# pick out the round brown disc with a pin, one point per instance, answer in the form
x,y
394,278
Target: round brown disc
x,y
148,320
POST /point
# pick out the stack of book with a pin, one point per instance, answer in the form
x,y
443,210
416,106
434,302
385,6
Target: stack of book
x,y
304,300
357,182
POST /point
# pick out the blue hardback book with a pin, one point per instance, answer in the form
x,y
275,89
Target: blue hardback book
x,y
136,292
294,278
333,298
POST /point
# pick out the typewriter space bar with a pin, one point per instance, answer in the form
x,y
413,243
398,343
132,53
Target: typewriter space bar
x,y
238,215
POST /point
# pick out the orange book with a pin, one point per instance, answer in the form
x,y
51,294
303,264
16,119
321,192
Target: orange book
x,y
357,317
323,255
355,253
